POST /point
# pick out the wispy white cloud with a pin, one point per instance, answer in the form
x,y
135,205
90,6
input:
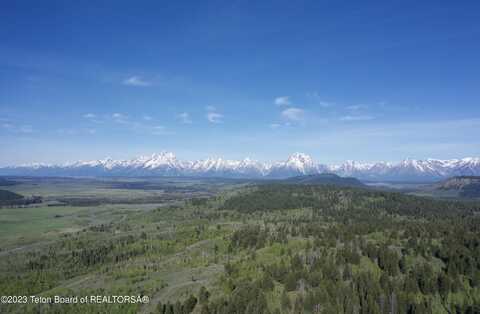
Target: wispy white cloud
x,y
402,138
293,114
120,118
184,118
115,117
142,124
282,101
214,117
274,125
314,98
89,116
325,104
11,127
26,129
93,117
150,129
357,118
136,81
159,130
76,131
356,107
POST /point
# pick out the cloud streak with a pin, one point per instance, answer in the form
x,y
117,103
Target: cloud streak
x,y
325,104
136,81
213,116
143,124
357,118
293,114
120,118
184,118
23,129
282,101
89,116
315,98
93,118
76,131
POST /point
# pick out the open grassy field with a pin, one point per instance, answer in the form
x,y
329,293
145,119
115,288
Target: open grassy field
x,y
73,204
119,190
20,226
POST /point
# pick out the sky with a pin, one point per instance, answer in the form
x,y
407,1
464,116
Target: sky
x,y
338,80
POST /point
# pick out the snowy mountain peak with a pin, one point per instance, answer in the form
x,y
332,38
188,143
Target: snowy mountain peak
x,y
163,156
300,161
167,164
161,160
300,158
472,160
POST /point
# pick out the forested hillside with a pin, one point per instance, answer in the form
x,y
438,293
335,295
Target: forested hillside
x,y
6,182
267,249
330,198
465,186
7,197
325,179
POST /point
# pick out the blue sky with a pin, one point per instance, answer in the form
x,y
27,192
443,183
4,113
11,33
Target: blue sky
x,y
363,80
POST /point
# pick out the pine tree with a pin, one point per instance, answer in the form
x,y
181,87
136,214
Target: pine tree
x,y
285,301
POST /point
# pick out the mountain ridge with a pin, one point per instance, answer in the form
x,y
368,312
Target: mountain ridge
x,y
167,164
465,186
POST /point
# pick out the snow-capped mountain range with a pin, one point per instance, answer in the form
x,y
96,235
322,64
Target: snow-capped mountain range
x,y
167,164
